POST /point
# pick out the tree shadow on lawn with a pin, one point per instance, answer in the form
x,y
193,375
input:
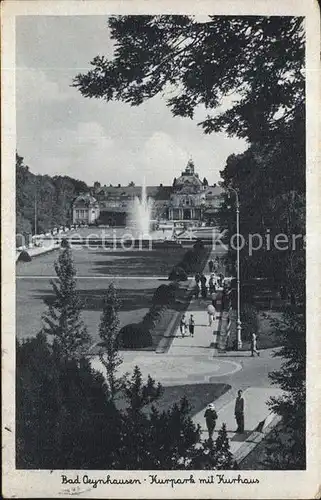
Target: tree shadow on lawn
x,y
131,298
139,263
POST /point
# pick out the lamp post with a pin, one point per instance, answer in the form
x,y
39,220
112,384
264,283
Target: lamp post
x,y
238,322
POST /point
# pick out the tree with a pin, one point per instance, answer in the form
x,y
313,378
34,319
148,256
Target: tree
x,y
62,320
289,453
205,182
64,417
108,332
215,455
163,439
258,59
131,184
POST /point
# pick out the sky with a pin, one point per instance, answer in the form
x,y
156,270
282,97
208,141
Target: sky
x,y
59,132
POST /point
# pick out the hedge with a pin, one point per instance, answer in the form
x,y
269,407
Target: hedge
x,y
24,257
134,336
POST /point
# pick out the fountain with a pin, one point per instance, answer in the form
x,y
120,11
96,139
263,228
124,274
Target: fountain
x,y
140,216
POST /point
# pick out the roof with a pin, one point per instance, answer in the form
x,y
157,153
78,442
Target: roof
x,y
85,200
214,191
160,192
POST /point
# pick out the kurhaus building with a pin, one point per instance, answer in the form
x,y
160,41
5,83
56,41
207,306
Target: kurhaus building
x,y
188,199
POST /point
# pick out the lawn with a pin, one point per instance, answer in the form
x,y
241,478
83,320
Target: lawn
x,y
267,338
94,271
198,396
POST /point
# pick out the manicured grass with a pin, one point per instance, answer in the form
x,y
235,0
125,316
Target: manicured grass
x,y
198,396
135,294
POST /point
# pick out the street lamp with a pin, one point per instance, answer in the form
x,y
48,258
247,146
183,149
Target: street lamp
x,y
238,322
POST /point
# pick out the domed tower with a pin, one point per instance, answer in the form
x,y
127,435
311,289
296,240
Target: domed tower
x,y
190,167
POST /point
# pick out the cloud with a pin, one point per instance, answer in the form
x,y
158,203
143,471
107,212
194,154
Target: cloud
x,y
34,84
82,152
161,154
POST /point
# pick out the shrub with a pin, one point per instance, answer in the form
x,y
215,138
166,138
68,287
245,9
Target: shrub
x,y
164,295
24,257
134,336
65,243
198,245
190,261
178,274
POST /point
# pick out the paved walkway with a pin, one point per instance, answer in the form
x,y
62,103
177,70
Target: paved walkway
x,y
256,412
203,344
195,360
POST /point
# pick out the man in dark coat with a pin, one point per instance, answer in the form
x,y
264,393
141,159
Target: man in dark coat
x,y
210,418
239,412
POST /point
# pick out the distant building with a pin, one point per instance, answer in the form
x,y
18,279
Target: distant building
x,y
188,198
85,209
193,199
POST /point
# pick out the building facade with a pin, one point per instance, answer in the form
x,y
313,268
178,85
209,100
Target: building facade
x,y
86,210
188,199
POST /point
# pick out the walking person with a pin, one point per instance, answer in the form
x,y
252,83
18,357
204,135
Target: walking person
x,y
211,313
210,419
196,291
239,412
191,325
211,265
197,278
183,325
211,284
203,280
204,291
253,345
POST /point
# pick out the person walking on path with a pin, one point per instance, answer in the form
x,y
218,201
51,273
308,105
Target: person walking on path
x,y
211,265
211,284
204,291
182,325
211,313
213,298
239,412
210,419
196,291
191,325
203,280
253,345
197,278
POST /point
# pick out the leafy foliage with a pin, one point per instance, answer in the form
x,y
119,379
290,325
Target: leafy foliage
x,y
63,320
259,59
291,378
108,332
63,415
249,321
215,455
134,336
53,197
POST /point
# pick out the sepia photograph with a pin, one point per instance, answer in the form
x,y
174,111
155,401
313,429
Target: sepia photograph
x,y
160,211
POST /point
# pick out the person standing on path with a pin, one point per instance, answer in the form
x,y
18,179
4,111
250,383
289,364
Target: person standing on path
x,y
211,265
191,325
239,412
211,313
196,291
210,419
182,325
253,345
